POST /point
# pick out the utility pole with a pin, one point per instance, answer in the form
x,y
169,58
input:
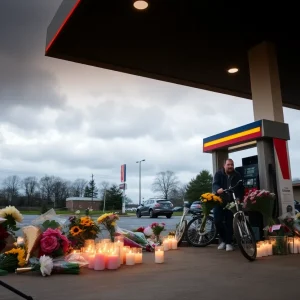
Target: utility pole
x,y
104,201
140,180
92,188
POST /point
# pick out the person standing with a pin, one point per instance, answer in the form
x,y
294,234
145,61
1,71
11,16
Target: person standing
x,y
223,179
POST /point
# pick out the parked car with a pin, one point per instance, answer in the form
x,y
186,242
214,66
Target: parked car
x,y
155,208
196,207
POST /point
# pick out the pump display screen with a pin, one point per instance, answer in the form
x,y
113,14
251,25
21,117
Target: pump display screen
x,y
250,172
250,176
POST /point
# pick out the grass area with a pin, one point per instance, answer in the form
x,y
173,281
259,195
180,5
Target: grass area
x,y
93,213
66,212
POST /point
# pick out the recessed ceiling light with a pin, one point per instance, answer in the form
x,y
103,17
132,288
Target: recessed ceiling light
x,y
140,4
232,70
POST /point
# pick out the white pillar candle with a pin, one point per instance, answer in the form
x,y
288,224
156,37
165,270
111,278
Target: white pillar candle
x,y
113,261
138,256
166,244
174,244
258,250
119,244
170,243
91,260
100,261
130,258
159,255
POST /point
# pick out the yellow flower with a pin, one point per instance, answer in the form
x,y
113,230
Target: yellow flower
x,y
86,221
12,211
20,255
75,230
113,224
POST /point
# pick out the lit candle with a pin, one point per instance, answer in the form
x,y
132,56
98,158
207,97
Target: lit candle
x,y
159,255
130,258
170,242
166,244
258,253
125,250
100,261
113,261
91,260
174,244
138,256
119,243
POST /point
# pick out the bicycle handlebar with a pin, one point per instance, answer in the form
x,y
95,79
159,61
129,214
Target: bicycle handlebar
x,y
230,189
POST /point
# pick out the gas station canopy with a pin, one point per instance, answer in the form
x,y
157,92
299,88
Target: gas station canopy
x,y
189,42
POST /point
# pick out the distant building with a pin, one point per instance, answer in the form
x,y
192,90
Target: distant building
x,y
82,203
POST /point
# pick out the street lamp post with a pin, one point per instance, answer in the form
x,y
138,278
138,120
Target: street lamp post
x,y
140,180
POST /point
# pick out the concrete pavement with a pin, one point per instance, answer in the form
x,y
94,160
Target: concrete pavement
x,y
188,273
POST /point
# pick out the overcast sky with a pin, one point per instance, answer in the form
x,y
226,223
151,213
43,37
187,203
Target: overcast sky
x,y
69,120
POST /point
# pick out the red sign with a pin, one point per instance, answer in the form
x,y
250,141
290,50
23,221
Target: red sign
x,y
123,173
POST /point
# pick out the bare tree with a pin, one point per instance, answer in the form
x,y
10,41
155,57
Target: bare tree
x,y
47,187
78,187
164,183
61,191
12,185
104,186
30,185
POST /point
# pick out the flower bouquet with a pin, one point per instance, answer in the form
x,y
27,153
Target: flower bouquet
x,y
109,221
53,243
208,202
46,266
261,201
9,216
157,229
132,239
81,229
12,259
291,222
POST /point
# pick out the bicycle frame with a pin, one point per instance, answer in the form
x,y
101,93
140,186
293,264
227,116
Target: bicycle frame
x,y
240,212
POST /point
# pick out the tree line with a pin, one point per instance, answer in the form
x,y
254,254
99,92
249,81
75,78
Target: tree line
x,y
53,191
167,186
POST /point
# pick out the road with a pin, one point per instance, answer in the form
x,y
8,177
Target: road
x,y
128,223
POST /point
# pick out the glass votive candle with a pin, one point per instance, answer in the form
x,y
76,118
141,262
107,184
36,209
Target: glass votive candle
x,y
89,243
130,257
138,255
125,250
159,254
166,243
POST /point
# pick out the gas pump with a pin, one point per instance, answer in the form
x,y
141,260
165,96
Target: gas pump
x,y
269,170
250,176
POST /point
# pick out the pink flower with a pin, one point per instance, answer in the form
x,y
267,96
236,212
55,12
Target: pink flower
x,y
254,201
65,243
49,244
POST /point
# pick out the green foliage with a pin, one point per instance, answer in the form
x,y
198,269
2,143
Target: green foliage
x,y
114,198
91,190
50,224
199,185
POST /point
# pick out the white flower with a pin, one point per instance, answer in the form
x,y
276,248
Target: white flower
x,y
77,212
11,210
148,231
46,263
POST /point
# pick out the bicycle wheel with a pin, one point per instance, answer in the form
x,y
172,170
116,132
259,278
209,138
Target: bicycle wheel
x,y
198,239
244,236
180,232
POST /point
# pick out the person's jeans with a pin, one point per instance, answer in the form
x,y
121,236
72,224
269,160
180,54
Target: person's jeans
x,y
224,224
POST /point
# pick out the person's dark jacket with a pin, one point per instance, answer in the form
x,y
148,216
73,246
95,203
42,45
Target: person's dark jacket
x,y
221,180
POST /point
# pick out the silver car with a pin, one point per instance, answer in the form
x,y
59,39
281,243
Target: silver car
x,y
155,208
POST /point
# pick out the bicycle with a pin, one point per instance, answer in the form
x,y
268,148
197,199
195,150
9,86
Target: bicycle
x,y
242,230
197,237
181,228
